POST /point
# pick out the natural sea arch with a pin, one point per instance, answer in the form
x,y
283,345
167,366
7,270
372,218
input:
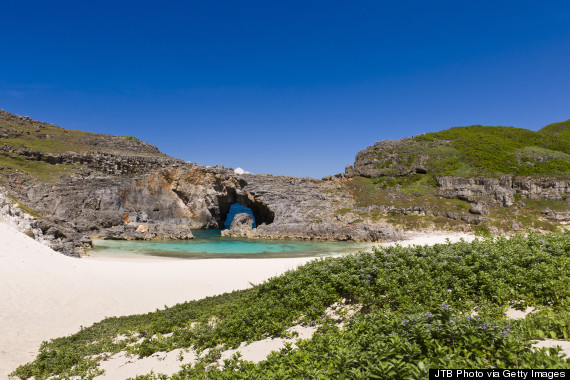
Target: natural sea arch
x,y
235,209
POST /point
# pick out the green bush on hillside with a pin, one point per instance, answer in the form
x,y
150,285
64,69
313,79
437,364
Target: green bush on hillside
x,y
490,151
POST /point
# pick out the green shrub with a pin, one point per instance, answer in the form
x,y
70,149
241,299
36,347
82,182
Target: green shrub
x,y
491,151
391,285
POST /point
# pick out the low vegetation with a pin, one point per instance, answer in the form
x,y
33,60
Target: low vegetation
x,y
42,171
420,308
412,202
24,133
25,208
23,139
483,151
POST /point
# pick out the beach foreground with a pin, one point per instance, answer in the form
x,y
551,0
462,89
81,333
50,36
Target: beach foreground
x,y
45,295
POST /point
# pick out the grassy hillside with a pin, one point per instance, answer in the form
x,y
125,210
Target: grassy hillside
x,y
419,308
561,129
22,132
484,151
402,175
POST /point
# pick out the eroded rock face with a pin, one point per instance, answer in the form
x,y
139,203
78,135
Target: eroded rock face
x,y
502,190
474,189
151,231
542,188
99,162
48,233
176,198
114,185
171,201
370,163
305,208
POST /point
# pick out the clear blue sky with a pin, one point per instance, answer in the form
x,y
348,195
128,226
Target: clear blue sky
x,y
291,87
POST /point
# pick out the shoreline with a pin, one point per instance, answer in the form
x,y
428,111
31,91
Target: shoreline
x,y
46,295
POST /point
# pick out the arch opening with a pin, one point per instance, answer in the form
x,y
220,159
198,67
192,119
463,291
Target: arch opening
x,y
235,209
262,214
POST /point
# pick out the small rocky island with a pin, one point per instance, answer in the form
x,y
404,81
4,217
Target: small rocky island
x,y
74,186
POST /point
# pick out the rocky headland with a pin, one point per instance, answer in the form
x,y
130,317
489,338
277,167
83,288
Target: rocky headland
x,y
73,186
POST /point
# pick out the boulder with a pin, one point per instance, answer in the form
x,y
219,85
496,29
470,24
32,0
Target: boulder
x,y
478,209
333,177
242,222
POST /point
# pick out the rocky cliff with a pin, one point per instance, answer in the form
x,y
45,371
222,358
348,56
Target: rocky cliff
x,y
80,185
503,175
305,208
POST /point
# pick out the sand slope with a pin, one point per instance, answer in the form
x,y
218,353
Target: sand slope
x,y
44,295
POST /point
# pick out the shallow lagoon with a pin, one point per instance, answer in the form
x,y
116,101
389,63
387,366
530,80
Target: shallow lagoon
x,y
209,244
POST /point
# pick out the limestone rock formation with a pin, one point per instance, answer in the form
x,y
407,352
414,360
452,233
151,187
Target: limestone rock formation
x,y
43,231
242,221
502,190
93,185
151,231
384,158
305,208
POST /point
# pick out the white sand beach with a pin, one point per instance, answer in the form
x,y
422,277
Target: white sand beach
x,y
431,238
45,295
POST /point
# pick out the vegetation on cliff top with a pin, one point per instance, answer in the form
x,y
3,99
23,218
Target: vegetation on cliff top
x,y
416,312
484,151
21,132
561,129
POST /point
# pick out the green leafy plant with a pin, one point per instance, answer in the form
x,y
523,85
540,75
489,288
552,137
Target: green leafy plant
x,y
433,289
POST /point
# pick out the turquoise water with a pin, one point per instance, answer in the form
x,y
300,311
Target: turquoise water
x,y
208,244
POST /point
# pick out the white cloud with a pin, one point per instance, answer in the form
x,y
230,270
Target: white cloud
x,y
240,171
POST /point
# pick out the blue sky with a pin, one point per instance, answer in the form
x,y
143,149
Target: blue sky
x,y
294,87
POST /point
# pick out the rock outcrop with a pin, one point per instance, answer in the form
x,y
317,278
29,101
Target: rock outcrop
x,y
397,160
305,208
117,187
48,233
384,158
502,190
242,223
150,231
12,215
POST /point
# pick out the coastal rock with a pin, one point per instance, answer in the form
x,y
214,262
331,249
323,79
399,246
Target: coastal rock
x,y
43,231
333,231
114,184
498,190
158,231
242,221
116,164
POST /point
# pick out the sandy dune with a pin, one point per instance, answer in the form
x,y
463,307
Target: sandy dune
x,y
44,294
